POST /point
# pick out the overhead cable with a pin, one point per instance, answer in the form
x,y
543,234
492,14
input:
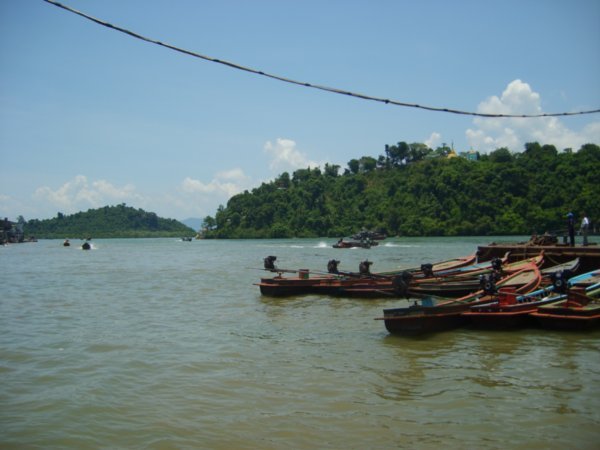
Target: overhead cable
x,y
311,85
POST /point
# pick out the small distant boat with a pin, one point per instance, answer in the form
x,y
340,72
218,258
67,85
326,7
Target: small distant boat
x,y
86,246
66,243
353,244
186,239
372,235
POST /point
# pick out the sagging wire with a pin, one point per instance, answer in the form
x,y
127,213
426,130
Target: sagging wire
x,y
311,85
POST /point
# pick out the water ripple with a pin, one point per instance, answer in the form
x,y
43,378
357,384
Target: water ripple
x,y
153,344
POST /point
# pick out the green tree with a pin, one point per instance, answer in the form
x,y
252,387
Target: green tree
x,y
501,155
115,221
354,166
503,193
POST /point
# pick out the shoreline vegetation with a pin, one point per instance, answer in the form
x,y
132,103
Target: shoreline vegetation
x,y
410,191
119,221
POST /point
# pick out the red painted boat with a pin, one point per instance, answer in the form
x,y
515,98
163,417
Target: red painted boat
x,y
280,286
498,264
306,282
580,311
448,314
402,285
511,310
506,312
373,285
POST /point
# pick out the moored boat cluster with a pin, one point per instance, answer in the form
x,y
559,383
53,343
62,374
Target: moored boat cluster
x,y
498,293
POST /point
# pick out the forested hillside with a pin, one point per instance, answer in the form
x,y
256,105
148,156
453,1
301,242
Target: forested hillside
x,y
415,191
110,221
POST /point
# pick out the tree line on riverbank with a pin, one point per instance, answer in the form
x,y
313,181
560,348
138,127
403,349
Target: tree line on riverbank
x,y
412,190
119,221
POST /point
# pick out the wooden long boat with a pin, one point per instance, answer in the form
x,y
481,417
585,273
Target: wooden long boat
x,y
572,266
456,284
300,283
280,286
462,283
499,264
461,279
447,314
579,311
311,282
363,285
447,267
511,310
375,285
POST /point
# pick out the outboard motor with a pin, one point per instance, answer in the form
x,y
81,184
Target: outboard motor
x,y
270,262
488,284
427,270
497,264
364,267
401,283
560,280
332,266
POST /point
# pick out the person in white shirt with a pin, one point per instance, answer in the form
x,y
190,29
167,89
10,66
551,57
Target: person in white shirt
x,y
585,225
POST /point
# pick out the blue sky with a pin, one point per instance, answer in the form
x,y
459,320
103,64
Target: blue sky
x,y
92,117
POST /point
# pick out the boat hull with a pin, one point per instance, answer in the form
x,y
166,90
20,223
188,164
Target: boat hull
x,y
425,322
499,320
573,323
282,287
567,319
449,314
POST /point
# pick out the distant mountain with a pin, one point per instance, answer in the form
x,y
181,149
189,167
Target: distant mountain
x,y
193,222
108,222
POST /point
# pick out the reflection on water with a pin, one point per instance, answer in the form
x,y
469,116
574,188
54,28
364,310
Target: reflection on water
x,y
156,344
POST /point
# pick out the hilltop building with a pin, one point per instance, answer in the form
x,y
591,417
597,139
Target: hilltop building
x,y
471,155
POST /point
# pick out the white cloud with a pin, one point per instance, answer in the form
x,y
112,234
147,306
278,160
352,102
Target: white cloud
x,y
79,194
199,198
433,140
489,134
236,174
224,184
214,187
285,156
191,198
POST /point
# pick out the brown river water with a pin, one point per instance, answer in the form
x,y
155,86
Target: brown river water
x,y
164,344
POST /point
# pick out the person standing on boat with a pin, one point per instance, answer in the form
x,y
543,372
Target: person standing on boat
x,y
585,225
571,228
